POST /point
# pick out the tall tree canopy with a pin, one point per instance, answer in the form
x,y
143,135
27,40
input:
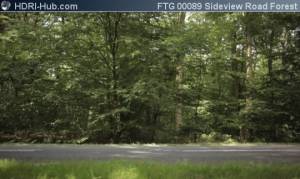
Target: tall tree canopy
x,y
150,77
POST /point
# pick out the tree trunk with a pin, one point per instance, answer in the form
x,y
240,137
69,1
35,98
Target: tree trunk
x,y
235,67
111,24
244,131
180,56
270,64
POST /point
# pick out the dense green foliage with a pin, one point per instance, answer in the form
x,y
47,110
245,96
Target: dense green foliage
x,y
149,77
145,170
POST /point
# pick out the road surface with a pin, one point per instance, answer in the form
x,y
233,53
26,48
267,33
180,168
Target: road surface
x,y
165,153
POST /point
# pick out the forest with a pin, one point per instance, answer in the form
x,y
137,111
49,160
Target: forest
x,y
149,77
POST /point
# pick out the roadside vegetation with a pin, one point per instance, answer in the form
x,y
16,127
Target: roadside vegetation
x,y
144,170
149,77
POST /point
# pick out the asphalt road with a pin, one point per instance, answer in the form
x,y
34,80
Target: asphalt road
x,y
165,153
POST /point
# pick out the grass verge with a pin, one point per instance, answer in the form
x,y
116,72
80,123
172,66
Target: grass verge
x,y
121,169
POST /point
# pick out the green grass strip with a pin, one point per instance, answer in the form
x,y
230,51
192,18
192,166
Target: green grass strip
x,y
122,169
